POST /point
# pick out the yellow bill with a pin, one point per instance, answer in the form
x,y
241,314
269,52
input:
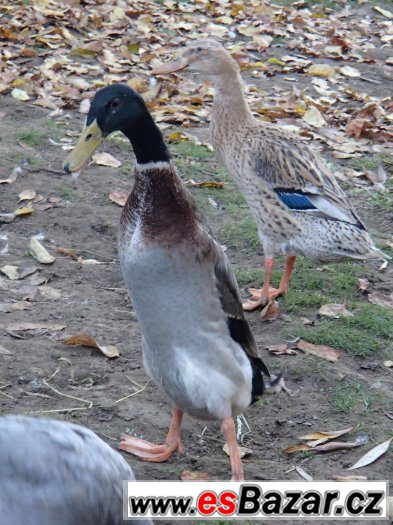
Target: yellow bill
x,y
88,142
170,67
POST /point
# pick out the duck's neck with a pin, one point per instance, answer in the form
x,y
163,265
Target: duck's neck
x,y
147,141
230,104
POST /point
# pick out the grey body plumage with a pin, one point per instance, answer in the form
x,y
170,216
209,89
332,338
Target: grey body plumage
x,y
53,472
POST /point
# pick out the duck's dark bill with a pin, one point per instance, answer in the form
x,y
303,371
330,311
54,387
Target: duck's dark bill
x,y
170,67
88,142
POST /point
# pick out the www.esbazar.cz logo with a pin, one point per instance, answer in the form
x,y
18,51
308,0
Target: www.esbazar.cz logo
x,y
361,500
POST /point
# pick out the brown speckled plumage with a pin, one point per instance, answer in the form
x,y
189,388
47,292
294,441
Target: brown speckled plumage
x,y
266,161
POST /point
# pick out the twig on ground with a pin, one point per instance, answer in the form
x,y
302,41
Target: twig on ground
x,y
89,403
141,389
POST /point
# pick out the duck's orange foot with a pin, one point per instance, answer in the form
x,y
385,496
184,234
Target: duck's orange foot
x,y
259,299
149,451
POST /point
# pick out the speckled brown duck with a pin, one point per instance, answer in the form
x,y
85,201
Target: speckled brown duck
x,y
297,203
196,343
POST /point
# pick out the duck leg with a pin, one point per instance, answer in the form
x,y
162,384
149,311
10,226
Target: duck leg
x,y
156,453
261,297
229,430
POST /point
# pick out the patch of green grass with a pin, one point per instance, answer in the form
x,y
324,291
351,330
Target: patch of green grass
x,y
346,396
371,162
239,231
369,330
334,283
127,168
16,156
120,141
318,366
376,319
382,200
188,148
246,276
65,192
336,333
36,135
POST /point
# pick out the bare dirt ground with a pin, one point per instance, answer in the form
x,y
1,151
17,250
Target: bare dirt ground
x,y
44,377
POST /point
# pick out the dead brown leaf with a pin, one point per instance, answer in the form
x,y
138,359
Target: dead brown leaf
x,y
12,307
381,299
271,311
27,195
118,197
21,327
281,349
205,183
68,253
334,310
106,159
86,339
364,285
194,475
372,455
326,352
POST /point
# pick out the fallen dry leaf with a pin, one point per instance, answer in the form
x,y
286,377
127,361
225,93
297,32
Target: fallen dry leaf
x,y
363,285
12,307
377,178
194,475
305,475
24,210
19,94
372,455
332,446
39,252
50,293
27,195
383,11
271,311
4,351
381,299
205,183
118,197
106,159
21,327
314,117
334,310
321,70
281,349
68,253
388,363
349,71
243,451
327,434
86,339
11,271
326,352
349,478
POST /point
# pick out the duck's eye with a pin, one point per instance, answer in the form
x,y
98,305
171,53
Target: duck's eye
x,y
88,137
113,104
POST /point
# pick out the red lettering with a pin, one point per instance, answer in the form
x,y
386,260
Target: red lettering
x,y
207,503
227,503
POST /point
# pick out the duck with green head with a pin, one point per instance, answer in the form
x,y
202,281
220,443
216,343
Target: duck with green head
x,y
196,343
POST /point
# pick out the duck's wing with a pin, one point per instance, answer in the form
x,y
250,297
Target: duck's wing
x,y
299,178
239,328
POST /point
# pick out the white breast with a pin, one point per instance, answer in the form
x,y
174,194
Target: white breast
x,y
187,347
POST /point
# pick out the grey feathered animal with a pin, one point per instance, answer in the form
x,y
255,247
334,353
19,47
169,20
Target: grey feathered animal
x,y
197,345
58,473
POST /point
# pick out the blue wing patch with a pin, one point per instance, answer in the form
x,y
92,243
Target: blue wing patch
x,y
295,200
